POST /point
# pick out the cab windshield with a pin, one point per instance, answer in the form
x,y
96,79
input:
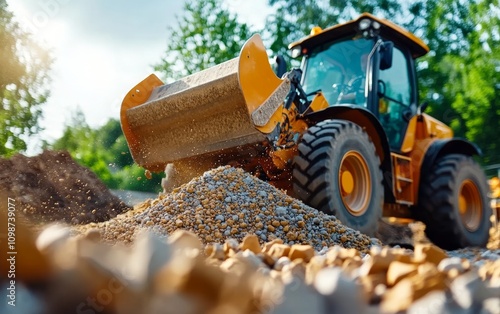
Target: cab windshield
x,y
338,70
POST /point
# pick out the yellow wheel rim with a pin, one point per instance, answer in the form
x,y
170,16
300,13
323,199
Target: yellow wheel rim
x,y
355,183
470,205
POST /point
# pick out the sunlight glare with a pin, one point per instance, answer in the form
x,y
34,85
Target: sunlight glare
x,y
53,34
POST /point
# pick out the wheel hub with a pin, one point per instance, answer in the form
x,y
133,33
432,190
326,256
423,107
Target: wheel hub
x,y
355,183
470,205
347,182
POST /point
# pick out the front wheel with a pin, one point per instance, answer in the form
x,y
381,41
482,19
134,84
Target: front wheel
x,y
454,203
338,172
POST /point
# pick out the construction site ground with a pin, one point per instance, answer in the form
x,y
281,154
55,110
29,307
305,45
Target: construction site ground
x,y
225,242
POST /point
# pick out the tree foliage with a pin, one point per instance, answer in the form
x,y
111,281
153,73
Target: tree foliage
x,y
205,35
295,18
104,151
23,80
460,76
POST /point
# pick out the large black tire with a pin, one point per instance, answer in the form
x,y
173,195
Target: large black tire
x,y
454,203
338,172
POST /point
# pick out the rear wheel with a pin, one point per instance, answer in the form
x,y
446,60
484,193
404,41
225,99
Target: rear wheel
x,y
454,203
338,172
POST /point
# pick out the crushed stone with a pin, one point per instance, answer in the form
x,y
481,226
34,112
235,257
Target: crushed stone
x,y
227,202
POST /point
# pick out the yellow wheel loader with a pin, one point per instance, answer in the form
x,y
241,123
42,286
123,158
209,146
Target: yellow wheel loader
x,y
344,132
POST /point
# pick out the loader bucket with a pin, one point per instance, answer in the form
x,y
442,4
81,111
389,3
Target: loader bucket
x,y
228,106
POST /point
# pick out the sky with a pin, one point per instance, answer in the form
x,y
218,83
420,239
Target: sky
x,y
102,48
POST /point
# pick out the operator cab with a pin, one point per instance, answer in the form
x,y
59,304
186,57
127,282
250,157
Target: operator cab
x,y
368,64
339,70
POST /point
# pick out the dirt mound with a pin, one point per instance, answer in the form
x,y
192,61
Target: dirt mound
x,y
53,187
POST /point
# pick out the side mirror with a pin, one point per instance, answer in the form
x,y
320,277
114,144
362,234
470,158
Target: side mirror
x,y
280,66
386,55
421,108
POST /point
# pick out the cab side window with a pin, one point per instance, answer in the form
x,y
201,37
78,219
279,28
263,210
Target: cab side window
x,y
397,80
395,103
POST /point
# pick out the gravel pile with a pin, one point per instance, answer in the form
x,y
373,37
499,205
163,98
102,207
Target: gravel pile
x,y
228,203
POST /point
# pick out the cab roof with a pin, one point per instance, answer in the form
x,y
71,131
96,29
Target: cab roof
x,y
388,30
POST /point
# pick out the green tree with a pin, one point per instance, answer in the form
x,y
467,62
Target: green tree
x,y
110,137
295,18
459,77
82,142
23,80
132,178
205,35
124,173
105,152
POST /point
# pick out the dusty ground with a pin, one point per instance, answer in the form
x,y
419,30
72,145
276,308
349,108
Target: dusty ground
x,y
58,272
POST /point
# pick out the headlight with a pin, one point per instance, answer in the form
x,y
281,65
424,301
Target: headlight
x,y
364,24
296,51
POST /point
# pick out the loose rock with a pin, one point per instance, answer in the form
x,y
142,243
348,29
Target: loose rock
x,y
224,203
